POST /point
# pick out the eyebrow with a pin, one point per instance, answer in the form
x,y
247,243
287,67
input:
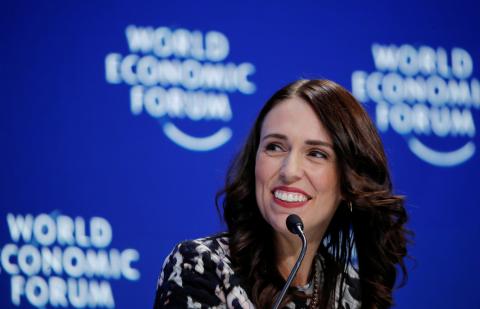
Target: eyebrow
x,y
310,142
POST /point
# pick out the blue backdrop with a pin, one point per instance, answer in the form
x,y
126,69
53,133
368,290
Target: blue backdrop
x,y
119,119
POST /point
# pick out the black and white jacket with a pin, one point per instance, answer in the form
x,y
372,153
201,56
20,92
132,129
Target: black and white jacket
x,y
199,274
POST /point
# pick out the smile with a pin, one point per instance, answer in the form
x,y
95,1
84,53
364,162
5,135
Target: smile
x,y
290,197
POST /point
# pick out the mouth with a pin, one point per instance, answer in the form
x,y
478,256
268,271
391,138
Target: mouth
x,y
290,197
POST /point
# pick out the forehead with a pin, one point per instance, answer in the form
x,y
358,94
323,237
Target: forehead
x,y
296,119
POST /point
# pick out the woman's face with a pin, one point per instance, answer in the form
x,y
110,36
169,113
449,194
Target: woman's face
x,y
296,169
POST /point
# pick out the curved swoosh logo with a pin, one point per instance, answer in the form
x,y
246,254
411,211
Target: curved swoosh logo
x,y
438,158
184,140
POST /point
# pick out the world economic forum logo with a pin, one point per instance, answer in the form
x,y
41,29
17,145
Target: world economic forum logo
x,y
177,75
428,95
54,260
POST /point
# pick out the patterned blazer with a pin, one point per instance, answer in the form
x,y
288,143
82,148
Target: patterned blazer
x,y
199,274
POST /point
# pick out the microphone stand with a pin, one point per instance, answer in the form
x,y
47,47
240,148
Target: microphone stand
x,y
298,230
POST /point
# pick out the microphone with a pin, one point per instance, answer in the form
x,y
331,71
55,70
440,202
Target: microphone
x,y
295,226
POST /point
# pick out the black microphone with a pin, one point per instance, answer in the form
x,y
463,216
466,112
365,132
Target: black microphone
x,y
295,226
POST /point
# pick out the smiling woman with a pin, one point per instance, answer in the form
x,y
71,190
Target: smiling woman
x,y
296,171
313,152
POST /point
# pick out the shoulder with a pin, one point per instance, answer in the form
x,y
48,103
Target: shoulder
x,y
212,246
351,292
199,272
195,255
347,290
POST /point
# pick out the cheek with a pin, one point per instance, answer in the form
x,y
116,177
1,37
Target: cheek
x,y
264,171
263,176
259,179
327,183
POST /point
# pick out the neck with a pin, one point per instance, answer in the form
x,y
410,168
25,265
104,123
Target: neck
x,y
287,250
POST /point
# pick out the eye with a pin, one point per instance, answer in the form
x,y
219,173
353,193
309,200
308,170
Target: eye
x,y
273,147
318,154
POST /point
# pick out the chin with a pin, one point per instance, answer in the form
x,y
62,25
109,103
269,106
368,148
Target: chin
x,y
279,225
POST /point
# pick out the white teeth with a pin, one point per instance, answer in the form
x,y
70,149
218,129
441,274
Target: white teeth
x,y
290,196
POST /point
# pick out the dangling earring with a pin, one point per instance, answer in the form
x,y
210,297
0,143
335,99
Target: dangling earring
x,y
350,206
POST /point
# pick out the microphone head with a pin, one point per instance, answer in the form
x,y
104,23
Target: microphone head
x,y
292,222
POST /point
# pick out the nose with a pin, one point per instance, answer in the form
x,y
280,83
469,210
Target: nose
x,y
291,169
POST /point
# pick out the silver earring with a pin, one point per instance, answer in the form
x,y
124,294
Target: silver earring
x,y
350,206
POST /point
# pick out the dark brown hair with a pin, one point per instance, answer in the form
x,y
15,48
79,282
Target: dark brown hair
x,y
375,227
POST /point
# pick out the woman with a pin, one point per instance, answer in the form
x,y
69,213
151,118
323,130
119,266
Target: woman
x,y
314,152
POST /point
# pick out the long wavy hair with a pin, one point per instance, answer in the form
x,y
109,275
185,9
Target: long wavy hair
x,y
375,228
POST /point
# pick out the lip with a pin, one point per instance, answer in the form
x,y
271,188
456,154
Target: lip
x,y
291,189
290,204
